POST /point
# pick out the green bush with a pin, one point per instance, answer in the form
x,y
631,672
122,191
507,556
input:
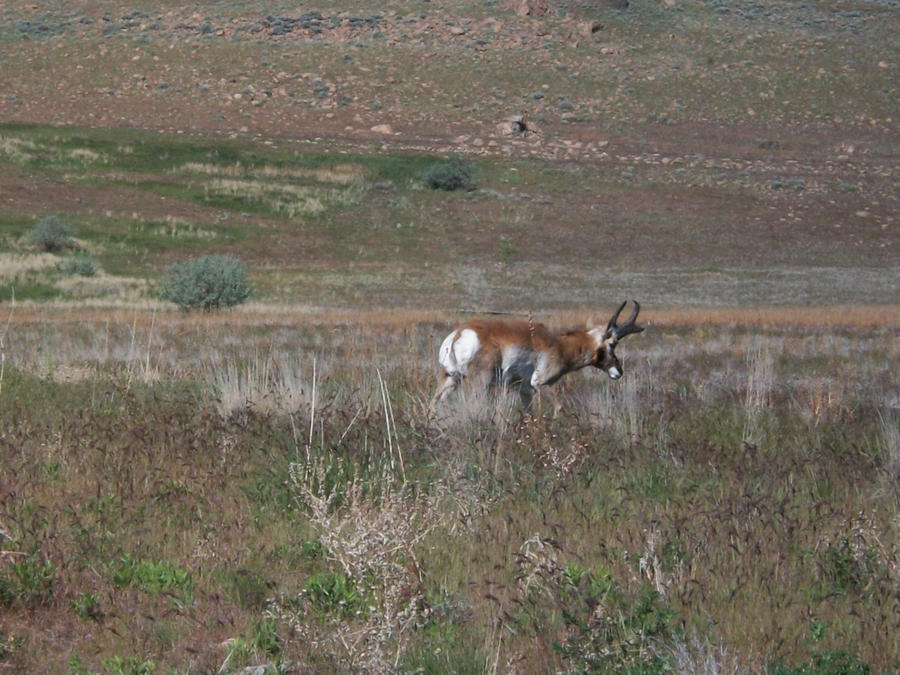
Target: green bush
x,y
52,235
451,175
87,606
206,283
80,265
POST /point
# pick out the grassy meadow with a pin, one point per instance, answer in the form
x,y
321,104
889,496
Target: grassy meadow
x,y
268,489
206,493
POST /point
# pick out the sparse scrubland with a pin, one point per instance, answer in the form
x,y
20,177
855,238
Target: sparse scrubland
x,y
194,493
266,487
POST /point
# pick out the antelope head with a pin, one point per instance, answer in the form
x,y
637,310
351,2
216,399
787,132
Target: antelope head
x,y
605,357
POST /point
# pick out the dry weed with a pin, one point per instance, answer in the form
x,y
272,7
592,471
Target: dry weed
x,y
651,567
372,531
14,264
695,656
621,407
538,566
758,391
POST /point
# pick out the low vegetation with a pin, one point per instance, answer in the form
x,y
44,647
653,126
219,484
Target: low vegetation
x,y
267,488
52,235
209,282
454,174
731,501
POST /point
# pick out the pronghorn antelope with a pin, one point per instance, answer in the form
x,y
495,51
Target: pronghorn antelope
x,y
527,354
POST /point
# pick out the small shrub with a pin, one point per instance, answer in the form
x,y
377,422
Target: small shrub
x,y
265,638
206,283
451,175
52,235
80,265
87,606
30,581
847,566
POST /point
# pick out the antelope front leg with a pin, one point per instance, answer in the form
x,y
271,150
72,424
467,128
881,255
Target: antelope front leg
x,y
541,381
551,395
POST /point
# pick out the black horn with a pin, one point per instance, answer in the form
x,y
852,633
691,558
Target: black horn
x,y
618,332
611,326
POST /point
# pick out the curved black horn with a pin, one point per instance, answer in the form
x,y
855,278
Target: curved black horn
x,y
637,308
611,326
618,332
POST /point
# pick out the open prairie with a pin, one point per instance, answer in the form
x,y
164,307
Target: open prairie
x,y
267,486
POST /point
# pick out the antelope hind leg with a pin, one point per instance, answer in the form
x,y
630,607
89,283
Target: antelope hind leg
x,y
447,387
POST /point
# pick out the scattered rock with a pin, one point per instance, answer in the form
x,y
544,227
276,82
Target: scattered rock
x,y
255,670
531,7
383,129
515,126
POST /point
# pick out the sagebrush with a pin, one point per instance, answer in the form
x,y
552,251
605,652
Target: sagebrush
x,y
52,234
209,282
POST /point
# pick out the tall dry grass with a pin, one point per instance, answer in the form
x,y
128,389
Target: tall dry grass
x,y
261,384
731,503
760,385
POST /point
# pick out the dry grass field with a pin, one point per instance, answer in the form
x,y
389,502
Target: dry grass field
x,y
205,493
266,488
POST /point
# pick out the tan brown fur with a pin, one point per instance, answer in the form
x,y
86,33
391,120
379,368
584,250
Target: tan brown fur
x,y
527,354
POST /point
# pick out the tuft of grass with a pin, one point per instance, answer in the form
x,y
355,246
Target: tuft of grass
x,y
759,390
82,266
88,607
28,580
150,576
261,385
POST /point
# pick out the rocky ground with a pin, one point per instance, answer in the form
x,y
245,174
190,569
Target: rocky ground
x,y
757,132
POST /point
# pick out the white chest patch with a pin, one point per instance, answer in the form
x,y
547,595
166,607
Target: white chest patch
x,y
458,349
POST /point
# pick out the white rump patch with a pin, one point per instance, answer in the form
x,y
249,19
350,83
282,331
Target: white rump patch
x,y
457,350
614,373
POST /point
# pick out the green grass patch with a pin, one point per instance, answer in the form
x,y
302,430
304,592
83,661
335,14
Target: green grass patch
x,y
151,576
29,290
